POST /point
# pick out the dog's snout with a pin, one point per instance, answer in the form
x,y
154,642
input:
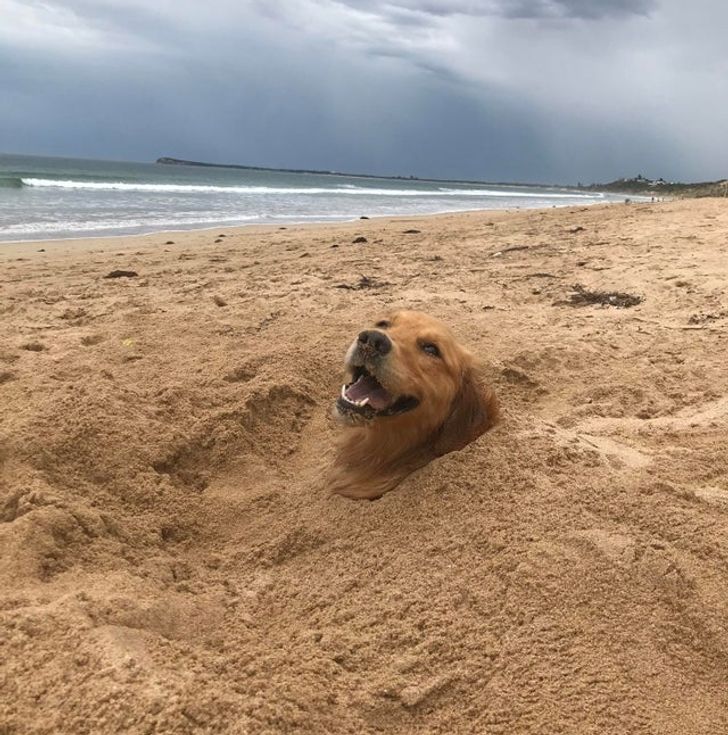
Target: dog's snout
x,y
376,341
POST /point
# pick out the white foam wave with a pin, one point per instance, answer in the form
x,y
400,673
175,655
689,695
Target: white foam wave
x,y
534,194
346,190
37,228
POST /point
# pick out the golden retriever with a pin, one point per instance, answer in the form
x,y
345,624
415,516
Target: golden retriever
x,y
413,394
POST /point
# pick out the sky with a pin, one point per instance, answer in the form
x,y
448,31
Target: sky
x,y
549,91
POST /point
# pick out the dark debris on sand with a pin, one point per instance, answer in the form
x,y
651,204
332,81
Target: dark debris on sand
x,y
362,283
704,318
581,296
121,274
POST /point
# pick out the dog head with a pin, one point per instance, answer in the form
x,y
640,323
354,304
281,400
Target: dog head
x,y
408,373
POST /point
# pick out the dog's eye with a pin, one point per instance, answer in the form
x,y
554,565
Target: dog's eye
x,y
383,324
430,349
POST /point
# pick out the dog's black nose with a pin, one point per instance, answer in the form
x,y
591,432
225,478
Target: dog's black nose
x,y
376,341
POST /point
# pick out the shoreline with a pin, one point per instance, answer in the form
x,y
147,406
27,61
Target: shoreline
x,y
285,224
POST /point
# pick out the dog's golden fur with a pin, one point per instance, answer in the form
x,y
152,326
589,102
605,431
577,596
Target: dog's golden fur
x,y
453,405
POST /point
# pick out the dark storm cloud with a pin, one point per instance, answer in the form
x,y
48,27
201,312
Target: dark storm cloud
x,y
408,10
587,9
529,89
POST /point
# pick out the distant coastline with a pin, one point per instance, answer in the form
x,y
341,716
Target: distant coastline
x,y
636,185
169,161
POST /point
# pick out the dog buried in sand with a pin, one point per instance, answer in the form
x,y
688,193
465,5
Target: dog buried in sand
x,y
413,394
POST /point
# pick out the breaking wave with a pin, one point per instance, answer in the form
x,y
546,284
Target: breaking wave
x,y
347,190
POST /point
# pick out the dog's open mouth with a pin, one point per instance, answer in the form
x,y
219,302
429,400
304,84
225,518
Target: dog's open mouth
x,y
368,398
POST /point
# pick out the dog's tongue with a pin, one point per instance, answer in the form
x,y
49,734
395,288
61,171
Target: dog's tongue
x,y
368,387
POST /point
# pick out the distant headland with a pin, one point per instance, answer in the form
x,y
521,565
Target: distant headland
x,y
182,162
637,185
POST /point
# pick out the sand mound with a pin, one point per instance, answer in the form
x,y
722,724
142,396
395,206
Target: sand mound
x,y
171,561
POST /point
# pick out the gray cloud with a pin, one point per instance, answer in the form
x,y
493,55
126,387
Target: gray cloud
x,y
407,10
530,89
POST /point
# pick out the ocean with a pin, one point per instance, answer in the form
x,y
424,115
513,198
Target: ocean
x,y
44,198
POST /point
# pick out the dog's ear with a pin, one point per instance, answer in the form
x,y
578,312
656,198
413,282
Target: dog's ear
x,y
473,412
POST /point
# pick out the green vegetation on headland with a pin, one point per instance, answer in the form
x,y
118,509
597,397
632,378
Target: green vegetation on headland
x,y
660,187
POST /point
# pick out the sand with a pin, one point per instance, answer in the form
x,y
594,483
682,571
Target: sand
x,y
172,562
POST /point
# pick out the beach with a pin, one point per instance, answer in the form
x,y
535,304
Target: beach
x,y
172,561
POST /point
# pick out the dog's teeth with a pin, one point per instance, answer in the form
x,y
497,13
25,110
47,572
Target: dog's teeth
x,y
360,404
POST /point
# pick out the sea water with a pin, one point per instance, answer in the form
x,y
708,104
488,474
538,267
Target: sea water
x,y
42,198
